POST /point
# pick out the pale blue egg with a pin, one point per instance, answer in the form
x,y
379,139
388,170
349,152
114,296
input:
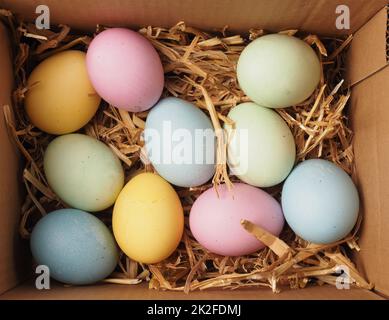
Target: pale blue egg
x,y
320,201
180,142
76,246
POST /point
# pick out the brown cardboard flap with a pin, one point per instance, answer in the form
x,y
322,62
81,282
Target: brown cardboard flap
x,y
367,53
141,291
370,118
13,256
317,16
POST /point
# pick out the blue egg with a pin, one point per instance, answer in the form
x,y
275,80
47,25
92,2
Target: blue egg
x,y
76,246
320,201
180,142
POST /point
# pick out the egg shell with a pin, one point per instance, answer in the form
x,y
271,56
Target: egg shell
x,y
125,69
77,247
83,172
215,219
261,151
60,98
320,201
176,152
148,219
278,70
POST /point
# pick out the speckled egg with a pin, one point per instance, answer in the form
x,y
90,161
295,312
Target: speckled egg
x,y
76,246
83,172
320,201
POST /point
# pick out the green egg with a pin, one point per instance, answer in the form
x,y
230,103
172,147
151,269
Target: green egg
x,y
261,148
277,71
83,172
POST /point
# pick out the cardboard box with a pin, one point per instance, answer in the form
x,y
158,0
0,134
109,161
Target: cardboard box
x,y
368,75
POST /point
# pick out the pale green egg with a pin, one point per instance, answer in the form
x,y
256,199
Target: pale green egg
x,y
83,172
261,147
277,71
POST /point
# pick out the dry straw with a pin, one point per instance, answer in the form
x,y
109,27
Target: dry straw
x,y
201,68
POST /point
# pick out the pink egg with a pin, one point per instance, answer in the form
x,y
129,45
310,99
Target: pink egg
x,y
125,69
215,221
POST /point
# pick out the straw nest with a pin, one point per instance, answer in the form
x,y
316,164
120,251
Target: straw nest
x,y
199,67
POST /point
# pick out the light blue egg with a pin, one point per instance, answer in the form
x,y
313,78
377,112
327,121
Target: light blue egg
x,y
180,142
320,201
76,246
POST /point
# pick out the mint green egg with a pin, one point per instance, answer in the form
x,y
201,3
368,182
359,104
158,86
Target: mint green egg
x,y
261,148
83,172
277,71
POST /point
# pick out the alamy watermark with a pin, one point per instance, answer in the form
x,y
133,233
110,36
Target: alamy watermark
x,y
180,146
43,20
183,146
42,281
343,19
344,279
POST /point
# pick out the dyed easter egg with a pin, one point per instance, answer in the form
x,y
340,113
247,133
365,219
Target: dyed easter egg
x,y
261,149
148,219
277,71
60,98
320,201
83,172
76,247
180,142
125,69
215,218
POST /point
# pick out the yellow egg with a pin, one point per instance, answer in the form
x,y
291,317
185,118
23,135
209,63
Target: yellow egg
x,y
61,98
148,219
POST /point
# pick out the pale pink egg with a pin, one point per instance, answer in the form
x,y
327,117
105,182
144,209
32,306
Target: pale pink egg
x,y
125,69
215,220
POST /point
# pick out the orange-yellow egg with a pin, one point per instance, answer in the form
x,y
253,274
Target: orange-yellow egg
x,y
148,219
60,98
